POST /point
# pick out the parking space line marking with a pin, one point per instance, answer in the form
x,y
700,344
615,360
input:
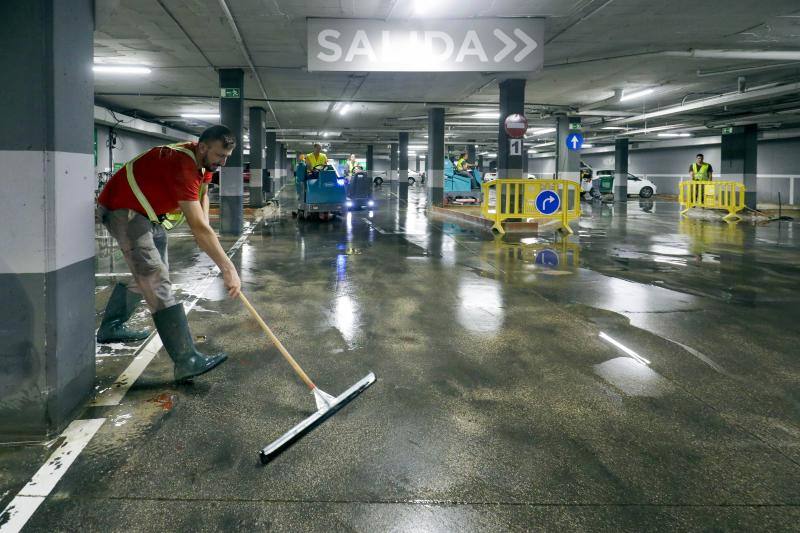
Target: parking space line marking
x,y
76,436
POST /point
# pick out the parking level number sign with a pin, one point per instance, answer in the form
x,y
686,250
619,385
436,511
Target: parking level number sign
x,y
515,147
547,202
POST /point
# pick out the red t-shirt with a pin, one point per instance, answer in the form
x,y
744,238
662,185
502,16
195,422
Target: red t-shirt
x,y
165,177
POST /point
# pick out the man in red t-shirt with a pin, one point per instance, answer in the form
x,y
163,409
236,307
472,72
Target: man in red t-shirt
x,y
164,180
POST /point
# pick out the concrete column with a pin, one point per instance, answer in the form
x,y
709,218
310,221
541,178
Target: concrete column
x,y
403,165
435,159
471,152
621,169
271,165
568,163
231,181
419,160
393,163
47,317
739,155
512,100
284,163
525,162
257,117
370,158
480,162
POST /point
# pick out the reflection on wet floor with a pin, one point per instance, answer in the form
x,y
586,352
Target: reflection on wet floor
x,y
646,360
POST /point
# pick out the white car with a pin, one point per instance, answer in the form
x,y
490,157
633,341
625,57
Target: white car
x,y
637,186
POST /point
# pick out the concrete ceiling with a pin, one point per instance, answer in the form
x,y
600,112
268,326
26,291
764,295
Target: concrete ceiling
x,y
593,49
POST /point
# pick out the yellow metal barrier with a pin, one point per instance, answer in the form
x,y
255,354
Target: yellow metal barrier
x,y
727,195
505,199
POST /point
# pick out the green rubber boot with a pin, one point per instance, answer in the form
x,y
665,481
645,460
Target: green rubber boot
x,y
119,309
173,328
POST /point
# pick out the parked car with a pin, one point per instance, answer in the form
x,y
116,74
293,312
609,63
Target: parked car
x,y
637,186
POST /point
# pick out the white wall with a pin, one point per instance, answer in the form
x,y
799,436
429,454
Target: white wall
x,y
665,166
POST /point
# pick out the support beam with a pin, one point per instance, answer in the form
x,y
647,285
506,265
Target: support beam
x,y
257,117
739,160
47,317
231,179
435,156
403,165
512,100
621,148
270,183
568,162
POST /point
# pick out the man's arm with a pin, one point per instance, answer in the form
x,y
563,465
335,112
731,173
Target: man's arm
x,y
205,203
710,172
691,171
208,242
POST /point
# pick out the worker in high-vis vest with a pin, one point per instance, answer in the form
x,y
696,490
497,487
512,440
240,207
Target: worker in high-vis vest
x,y
146,197
316,158
700,171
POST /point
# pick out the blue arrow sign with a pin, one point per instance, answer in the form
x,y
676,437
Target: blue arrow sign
x,y
547,202
574,141
547,258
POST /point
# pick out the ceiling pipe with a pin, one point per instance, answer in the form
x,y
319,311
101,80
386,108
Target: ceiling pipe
x,y
594,105
751,68
717,101
765,55
243,48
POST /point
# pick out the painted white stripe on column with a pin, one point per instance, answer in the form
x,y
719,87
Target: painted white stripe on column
x,y
47,197
76,436
114,394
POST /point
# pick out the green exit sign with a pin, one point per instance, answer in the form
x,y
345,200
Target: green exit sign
x,y
575,125
727,131
234,92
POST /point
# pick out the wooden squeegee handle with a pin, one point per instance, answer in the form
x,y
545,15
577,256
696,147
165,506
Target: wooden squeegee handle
x,y
284,352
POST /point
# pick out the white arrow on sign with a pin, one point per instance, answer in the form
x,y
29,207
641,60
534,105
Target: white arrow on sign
x,y
574,142
530,45
511,45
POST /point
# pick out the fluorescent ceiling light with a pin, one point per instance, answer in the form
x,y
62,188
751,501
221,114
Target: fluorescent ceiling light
x,y
634,95
624,348
487,114
614,128
345,108
588,146
672,135
542,145
540,131
206,116
533,151
121,69
417,147
491,155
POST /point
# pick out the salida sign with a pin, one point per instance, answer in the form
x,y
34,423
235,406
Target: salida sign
x,y
497,45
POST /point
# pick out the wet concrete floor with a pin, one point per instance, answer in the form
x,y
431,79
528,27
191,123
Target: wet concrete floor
x,y
642,375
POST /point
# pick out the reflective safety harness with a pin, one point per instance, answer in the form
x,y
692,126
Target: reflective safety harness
x,y
170,220
700,174
460,164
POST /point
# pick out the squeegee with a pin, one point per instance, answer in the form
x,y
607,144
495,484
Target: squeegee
x,y
327,405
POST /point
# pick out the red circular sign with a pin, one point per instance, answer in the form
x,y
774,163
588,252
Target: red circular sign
x,y
516,125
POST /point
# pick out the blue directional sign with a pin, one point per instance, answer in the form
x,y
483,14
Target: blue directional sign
x,y
547,258
547,202
574,141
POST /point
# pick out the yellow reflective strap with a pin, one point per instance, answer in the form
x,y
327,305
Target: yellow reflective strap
x,y
171,220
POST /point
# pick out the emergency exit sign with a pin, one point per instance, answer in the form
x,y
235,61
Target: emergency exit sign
x,y
727,131
234,92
